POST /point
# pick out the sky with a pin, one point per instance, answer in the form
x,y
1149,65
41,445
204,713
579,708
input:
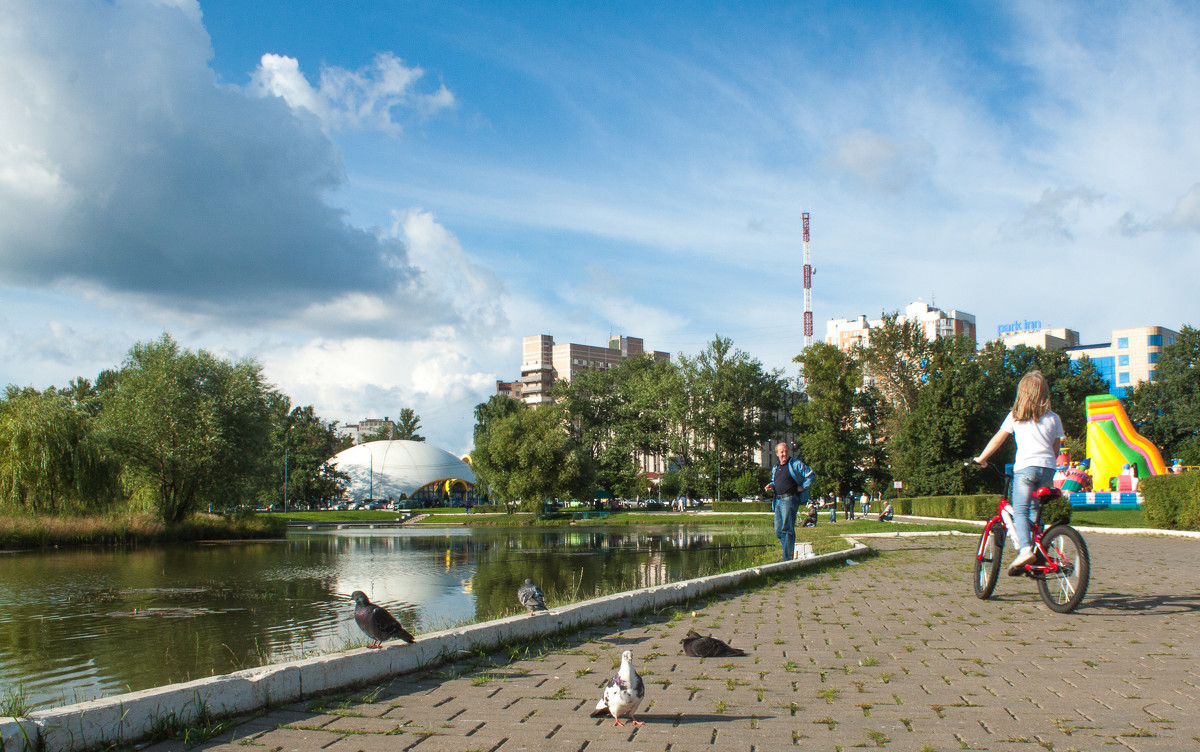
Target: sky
x,y
377,200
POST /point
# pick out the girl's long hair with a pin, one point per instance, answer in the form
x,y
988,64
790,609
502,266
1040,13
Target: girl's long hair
x,y
1033,397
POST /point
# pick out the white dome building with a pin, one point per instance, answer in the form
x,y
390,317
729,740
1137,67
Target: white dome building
x,y
383,469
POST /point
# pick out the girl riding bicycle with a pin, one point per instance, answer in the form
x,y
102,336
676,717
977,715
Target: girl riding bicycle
x,y
1037,429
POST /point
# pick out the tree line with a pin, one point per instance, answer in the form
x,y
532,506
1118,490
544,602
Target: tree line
x,y
904,408
170,432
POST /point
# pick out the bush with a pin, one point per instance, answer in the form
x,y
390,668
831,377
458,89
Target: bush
x,y
1172,502
973,507
742,506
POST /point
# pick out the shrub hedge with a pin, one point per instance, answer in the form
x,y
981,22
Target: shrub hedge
x,y
1172,502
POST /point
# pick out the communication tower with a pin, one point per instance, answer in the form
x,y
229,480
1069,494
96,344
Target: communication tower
x,y
808,272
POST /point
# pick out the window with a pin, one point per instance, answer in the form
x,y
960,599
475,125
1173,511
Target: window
x,y
1123,342
1151,376
1123,378
1153,357
1122,360
1154,340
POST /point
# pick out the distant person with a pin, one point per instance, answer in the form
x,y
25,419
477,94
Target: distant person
x,y
1037,430
810,519
848,506
886,515
832,502
790,480
866,504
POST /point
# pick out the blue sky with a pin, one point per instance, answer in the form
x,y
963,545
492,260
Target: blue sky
x,y
377,200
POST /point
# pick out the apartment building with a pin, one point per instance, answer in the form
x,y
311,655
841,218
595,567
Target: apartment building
x,y
543,363
846,333
1033,334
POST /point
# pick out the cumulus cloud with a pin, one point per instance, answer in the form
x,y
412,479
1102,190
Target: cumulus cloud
x,y
880,163
351,100
128,170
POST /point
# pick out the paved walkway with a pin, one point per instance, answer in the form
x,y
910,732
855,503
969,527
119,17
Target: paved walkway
x,y
893,652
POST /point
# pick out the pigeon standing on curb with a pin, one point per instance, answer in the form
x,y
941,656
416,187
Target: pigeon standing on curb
x,y
531,597
699,646
622,694
376,621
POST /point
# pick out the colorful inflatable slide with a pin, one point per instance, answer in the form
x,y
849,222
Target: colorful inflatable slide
x,y
1112,442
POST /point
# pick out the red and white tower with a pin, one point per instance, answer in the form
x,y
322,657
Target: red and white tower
x,y
808,272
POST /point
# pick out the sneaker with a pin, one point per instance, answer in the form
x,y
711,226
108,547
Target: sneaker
x,y
1017,567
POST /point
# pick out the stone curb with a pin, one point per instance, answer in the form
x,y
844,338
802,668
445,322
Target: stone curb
x,y
135,716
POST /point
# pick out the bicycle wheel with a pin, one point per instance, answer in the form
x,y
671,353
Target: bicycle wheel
x,y
1063,590
987,560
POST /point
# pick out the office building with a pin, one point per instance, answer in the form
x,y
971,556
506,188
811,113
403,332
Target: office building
x,y
1129,357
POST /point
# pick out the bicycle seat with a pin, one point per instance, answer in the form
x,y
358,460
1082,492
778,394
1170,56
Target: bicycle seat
x,y
1047,494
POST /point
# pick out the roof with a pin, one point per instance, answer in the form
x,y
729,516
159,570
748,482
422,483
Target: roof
x,y
398,467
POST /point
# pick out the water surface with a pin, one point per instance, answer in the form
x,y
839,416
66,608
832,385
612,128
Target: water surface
x,y
80,624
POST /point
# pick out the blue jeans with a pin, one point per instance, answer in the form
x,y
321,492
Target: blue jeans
x,y
785,523
1025,509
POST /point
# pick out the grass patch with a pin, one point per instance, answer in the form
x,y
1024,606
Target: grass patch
x,y
129,529
1109,518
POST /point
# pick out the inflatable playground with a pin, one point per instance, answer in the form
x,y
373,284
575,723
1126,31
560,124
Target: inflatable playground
x,y
1117,458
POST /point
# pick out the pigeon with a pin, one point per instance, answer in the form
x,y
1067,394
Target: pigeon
x,y
531,597
376,621
622,694
698,646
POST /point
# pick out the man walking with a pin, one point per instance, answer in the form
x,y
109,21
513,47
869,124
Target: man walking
x,y
790,480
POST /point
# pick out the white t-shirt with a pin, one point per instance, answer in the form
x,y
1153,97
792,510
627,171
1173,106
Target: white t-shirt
x,y
1035,439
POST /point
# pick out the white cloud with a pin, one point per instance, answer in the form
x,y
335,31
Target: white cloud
x,y
365,99
878,162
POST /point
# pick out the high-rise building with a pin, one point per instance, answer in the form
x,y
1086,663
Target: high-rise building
x,y
543,363
1129,357
846,333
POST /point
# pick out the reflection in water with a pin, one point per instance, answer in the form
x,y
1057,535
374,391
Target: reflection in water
x,y
81,624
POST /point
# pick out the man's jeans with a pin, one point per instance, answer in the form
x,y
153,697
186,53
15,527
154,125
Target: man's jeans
x,y
786,508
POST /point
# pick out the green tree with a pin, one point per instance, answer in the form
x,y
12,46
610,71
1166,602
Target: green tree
x,y
51,459
408,424
191,427
828,423
1167,410
732,407
301,446
897,360
526,455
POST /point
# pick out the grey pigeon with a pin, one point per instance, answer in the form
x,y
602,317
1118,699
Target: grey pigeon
x,y
622,694
531,597
376,621
698,646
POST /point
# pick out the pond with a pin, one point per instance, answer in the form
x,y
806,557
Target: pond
x,y
80,624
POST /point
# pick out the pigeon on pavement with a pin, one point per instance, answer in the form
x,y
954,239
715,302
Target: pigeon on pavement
x,y
622,694
376,621
531,597
707,647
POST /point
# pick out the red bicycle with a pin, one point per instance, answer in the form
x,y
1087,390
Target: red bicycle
x,y
1061,565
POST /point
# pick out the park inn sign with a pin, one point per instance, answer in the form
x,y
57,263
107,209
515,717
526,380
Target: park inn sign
x,y
1018,326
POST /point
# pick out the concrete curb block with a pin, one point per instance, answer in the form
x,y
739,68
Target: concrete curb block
x,y
135,716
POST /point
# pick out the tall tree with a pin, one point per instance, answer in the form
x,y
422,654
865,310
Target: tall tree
x,y
191,427
301,446
1167,410
897,360
732,408
828,423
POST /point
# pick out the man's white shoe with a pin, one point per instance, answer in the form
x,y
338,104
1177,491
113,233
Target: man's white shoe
x,y
1017,567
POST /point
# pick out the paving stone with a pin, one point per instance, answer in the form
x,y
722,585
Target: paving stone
x,y
894,651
